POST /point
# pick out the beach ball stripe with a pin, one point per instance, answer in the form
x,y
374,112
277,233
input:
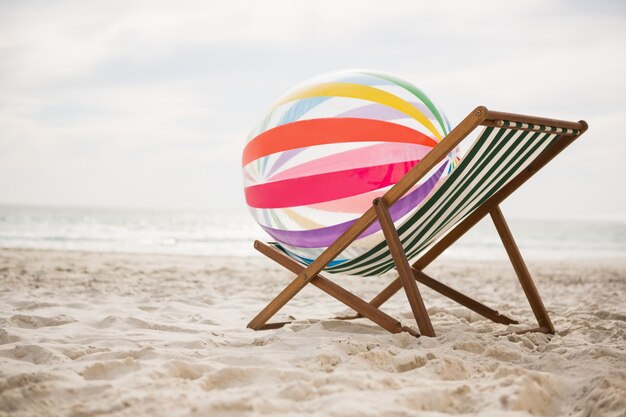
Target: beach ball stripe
x,y
362,92
331,145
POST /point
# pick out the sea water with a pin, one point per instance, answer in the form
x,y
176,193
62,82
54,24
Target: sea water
x,y
231,233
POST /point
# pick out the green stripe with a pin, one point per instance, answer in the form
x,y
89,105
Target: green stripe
x,y
412,248
415,91
382,262
521,155
458,187
509,170
431,201
505,175
452,183
515,168
479,168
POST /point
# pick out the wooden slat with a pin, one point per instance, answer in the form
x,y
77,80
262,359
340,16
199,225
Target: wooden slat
x,y
387,292
404,269
444,290
336,291
539,310
273,326
523,118
278,302
462,299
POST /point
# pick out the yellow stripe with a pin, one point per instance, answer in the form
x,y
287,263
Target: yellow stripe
x,y
302,221
363,92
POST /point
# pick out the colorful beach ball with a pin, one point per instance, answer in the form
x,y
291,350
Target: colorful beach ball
x,y
328,147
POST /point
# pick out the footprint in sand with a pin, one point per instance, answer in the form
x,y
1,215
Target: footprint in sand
x,y
453,369
35,322
110,369
37,354
6,337
186,370
405,363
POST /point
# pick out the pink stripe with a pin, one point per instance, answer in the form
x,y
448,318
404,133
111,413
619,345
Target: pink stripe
x,y
355,204
324,236
379,154
324,187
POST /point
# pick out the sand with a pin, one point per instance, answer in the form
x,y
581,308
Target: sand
x,y
86,334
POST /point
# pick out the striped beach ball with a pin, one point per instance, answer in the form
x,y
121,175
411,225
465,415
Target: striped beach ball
x,y
328,147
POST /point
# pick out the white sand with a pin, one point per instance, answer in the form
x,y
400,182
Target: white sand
x,y
85,334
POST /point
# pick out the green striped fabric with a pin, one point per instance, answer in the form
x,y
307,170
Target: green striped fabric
x,y
496,157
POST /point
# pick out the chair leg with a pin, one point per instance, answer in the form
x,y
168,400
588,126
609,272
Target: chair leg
x,y
432,254
278,302
522,272
332,289
404,269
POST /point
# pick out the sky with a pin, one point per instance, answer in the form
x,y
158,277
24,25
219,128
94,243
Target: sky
x,y
148,104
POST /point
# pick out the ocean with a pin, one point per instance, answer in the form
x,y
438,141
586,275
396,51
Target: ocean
x,y
224,233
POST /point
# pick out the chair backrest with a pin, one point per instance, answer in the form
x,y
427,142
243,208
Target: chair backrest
x,y
500,153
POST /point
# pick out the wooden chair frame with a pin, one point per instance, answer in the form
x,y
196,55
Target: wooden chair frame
x,y
409,275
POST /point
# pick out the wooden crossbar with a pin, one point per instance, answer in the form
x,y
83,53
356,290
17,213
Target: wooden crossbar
x,y
450,293
365,309
409,274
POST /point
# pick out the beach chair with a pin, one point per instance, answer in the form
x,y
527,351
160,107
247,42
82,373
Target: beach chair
x,y
509,150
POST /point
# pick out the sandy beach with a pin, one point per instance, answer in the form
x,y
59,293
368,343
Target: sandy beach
x,y
85,334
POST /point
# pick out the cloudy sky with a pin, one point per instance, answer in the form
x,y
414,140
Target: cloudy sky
x,y
148,104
